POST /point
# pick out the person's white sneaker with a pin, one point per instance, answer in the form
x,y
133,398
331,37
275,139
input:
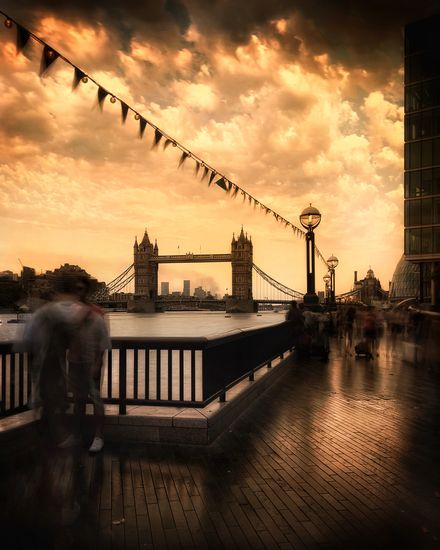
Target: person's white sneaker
x,y
97,445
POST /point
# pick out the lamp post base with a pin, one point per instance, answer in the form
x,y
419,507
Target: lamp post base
x,y
311,301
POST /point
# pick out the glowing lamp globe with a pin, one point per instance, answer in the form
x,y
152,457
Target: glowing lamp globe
x,y
310,217
326,279
332,262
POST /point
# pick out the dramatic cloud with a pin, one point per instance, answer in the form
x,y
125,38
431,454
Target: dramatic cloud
x,y
296,102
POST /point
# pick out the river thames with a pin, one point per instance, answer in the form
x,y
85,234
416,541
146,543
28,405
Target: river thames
x,y
180,324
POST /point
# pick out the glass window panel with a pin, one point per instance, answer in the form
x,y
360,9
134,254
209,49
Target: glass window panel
x,y
436,240
414,212
427,152
407,70
436,155
406,180
415,184
436,181
414,241
429,64
415,67
426,182
426,212
436,210
408,128
426,124
407,240
426,240
414,149
428,92
413,98
406,156
406,220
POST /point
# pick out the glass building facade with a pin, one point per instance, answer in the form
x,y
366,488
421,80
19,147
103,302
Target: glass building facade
x,y
406,281
422,150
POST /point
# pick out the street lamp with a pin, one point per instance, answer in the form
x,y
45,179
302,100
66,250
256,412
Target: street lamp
x,y
310,218
332,263
326,279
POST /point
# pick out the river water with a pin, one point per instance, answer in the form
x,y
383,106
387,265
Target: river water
x,y
182,323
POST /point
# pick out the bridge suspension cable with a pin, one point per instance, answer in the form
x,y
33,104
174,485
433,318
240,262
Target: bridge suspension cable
x,y
116,285
277,285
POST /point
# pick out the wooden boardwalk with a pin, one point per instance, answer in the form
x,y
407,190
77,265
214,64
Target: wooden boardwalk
x,y
338,455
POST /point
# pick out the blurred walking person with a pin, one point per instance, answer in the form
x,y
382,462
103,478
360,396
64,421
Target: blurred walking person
x,y
85,365
296,318
349,318
370,330
47,338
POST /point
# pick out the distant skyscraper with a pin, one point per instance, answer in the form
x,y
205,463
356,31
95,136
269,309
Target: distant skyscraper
x,y
199,292
186,288
422,153
165,288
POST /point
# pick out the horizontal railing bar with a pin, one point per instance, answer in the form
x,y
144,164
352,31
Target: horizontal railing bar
x,y
167,342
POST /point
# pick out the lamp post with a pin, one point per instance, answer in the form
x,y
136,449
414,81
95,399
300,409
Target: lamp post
x,y
326,279
332,264
310,218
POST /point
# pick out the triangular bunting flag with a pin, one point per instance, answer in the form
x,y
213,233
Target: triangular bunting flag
x,y
205,173
23,36
124,111
211,177
235,190
48,57
167,142
183,158
102,94
157,137
221,183
77,77
142,126
197,168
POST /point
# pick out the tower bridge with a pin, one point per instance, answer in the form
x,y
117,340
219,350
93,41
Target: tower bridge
x,y
146,260
144,272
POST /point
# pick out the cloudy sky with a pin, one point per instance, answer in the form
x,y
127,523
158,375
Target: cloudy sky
x,y
295,101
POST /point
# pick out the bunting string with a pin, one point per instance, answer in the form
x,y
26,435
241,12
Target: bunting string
x,y
50,55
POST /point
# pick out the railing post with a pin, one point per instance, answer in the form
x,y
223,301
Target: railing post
x,y
222,396
251,376
269,364
122,380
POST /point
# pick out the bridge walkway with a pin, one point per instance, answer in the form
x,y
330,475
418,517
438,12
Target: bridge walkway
x,y
336,455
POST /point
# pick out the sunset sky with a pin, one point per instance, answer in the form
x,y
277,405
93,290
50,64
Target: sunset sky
x,y
295,101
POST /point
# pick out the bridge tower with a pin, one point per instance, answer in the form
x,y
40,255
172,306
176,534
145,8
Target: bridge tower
x,y
145,274
242,261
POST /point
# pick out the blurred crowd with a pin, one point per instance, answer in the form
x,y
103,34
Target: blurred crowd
x,y
359,330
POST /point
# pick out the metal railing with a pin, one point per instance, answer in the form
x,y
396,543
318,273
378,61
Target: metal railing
x,y
188,372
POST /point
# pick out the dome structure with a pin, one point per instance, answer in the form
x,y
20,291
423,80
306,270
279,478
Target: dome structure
x,y
405,282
